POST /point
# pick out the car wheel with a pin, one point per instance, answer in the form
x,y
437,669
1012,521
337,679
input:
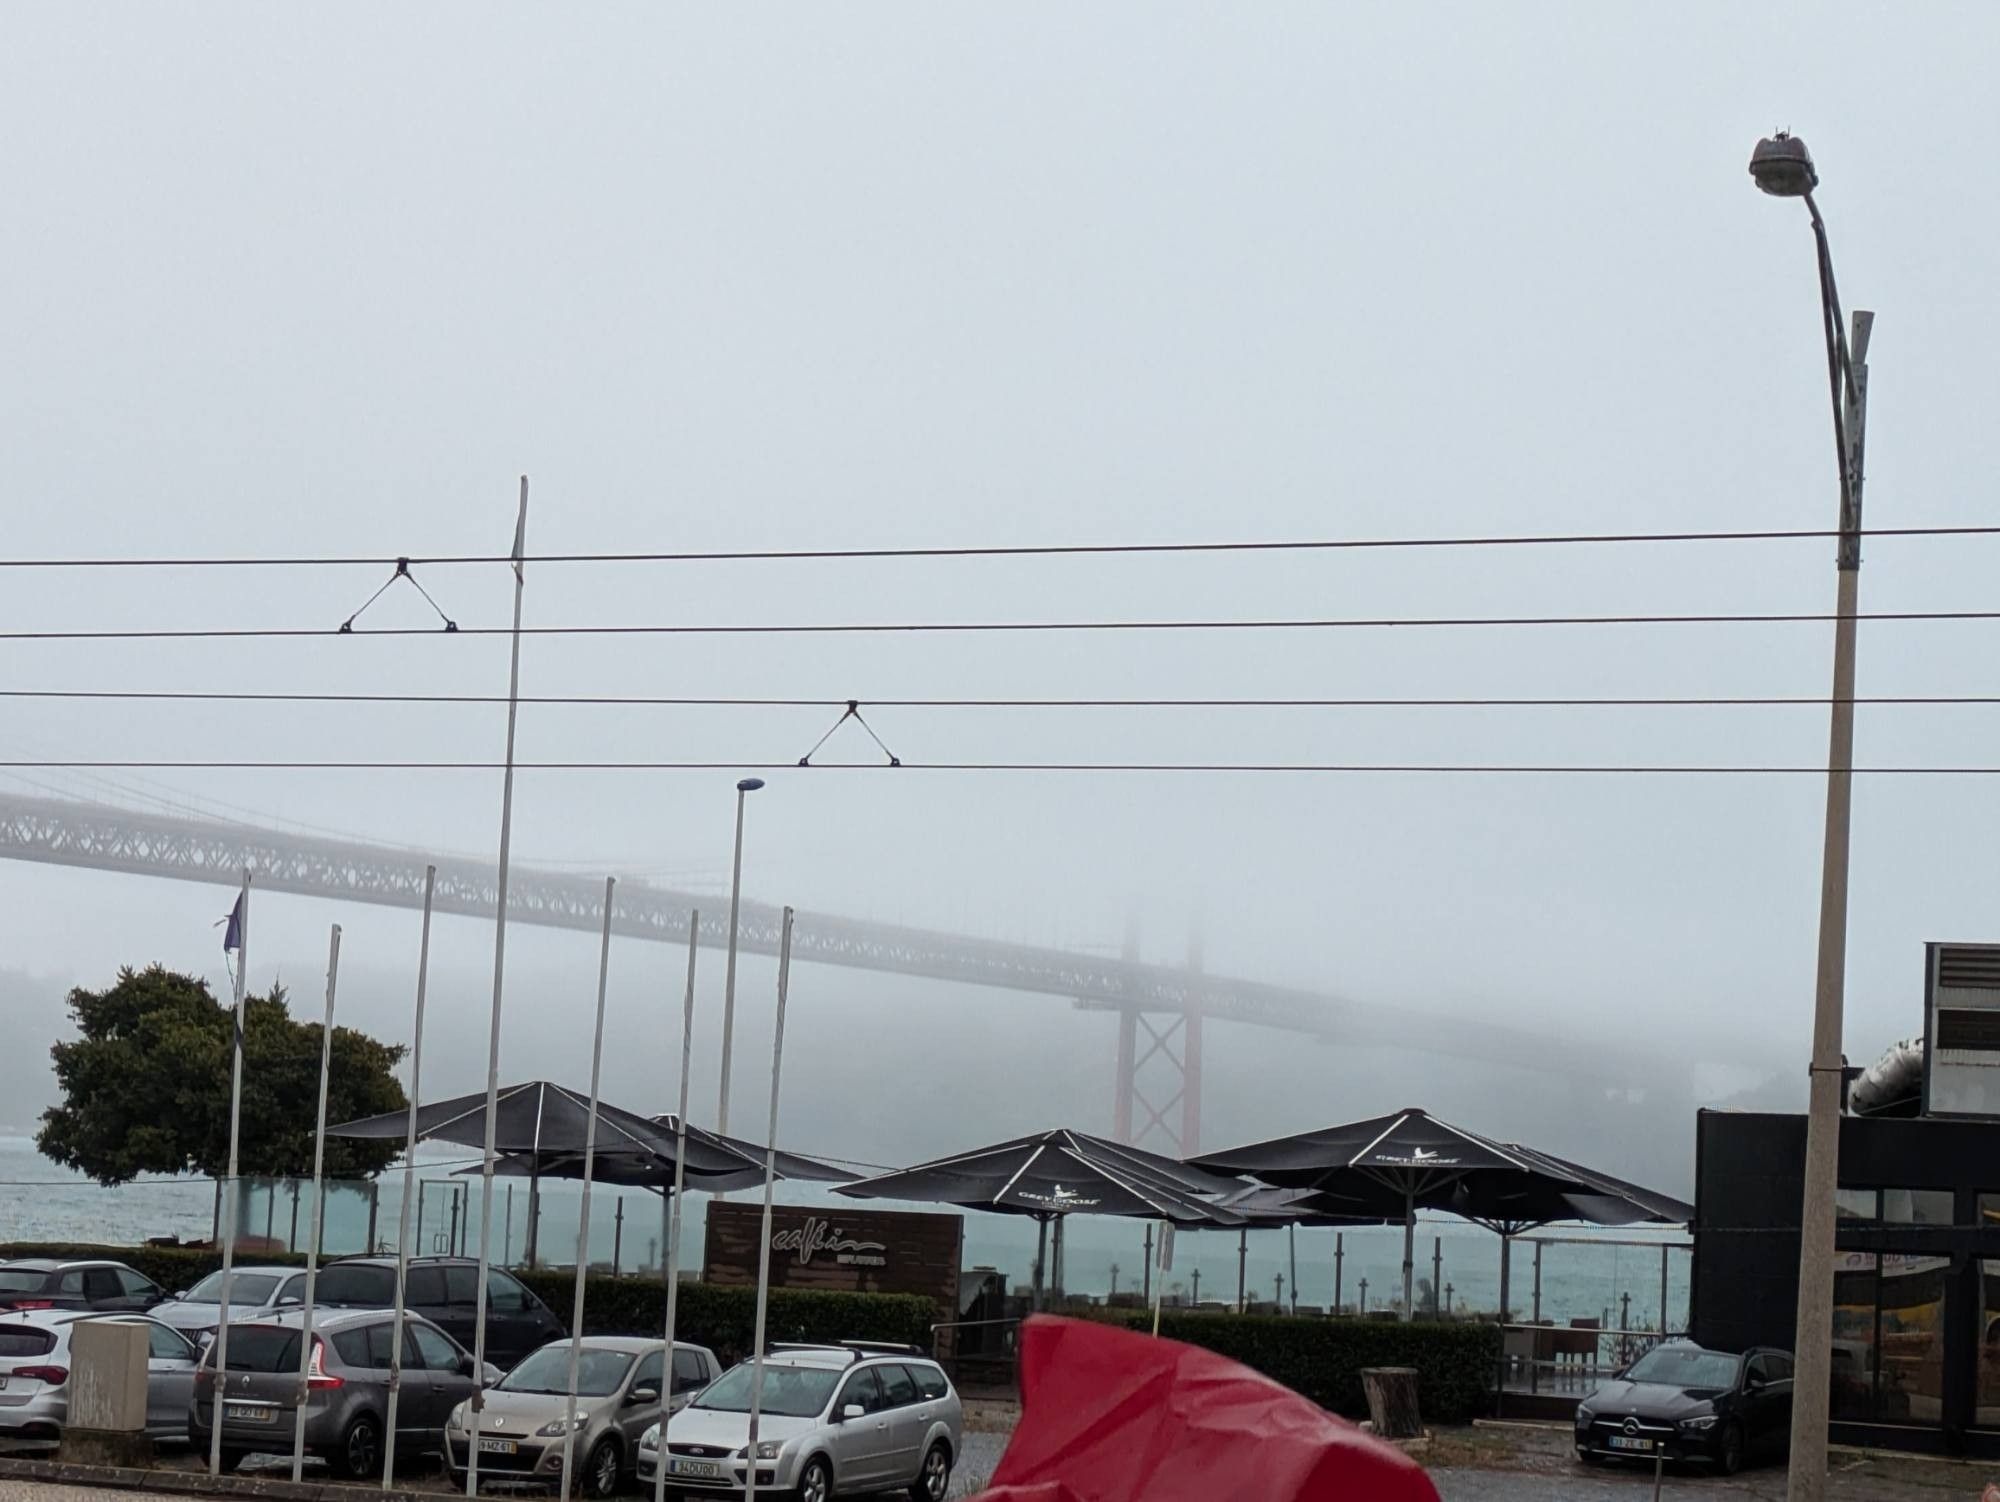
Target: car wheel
x,y
358,1457
815,1482
600,1472
933,1483
1729,1454
232,1461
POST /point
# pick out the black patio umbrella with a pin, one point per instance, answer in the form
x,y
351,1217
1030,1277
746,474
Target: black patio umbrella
x,y
545,1125
1392,1166
1060,1173
629,1168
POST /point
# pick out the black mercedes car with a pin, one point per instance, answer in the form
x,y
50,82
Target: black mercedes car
x,y
1686,1403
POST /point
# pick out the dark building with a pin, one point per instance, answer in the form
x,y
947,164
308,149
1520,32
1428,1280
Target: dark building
x,y
1916,1338
1916,1300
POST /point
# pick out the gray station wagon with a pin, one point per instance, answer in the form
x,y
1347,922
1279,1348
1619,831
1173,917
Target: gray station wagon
x,y
834,1420
347,1398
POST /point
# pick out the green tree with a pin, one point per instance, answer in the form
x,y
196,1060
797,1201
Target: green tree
x,y
146,1085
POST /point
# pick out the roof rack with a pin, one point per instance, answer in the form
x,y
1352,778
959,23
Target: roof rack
x,y
853,1350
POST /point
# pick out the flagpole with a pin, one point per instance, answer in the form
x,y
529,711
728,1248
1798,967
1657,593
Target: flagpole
x,y
409,1184
673,1256
583,1216
478,1406
242,927
318,1210
764,1236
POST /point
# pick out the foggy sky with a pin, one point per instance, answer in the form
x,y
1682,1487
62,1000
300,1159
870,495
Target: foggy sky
x,y
285,282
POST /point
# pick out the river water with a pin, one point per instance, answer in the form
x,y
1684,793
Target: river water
x,y
40,1202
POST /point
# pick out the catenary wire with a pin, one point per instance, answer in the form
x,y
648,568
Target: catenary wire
x,y
891,628
1453,768
1671,701
1003,550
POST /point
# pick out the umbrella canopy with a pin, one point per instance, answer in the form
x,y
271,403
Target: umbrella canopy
x,y
1392,1166
546,1123
1262,1205
1062,1172
790,1165
631,1169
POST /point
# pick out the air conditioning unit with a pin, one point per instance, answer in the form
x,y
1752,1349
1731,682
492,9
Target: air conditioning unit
x,y
1962,1030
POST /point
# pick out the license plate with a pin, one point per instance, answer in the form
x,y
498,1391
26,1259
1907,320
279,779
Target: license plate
x,y
498,1447
250,1413
1625,1442
705,1469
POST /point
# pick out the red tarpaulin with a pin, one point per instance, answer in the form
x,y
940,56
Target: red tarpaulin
x,y
1108,1415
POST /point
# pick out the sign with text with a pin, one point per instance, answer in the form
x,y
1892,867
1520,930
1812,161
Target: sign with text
x,y
855,1251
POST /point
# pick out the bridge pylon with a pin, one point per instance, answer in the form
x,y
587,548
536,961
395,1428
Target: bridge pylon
x,y
1156,1097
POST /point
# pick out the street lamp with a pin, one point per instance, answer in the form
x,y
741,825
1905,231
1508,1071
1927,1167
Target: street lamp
x,y
744,788
1783,168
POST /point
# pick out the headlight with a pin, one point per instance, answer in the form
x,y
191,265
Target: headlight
x,y
1699,1425
767,1449
556,1428
457,1420
1584,1414
650,1440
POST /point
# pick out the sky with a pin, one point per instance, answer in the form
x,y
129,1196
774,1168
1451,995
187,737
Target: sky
x,y
327,283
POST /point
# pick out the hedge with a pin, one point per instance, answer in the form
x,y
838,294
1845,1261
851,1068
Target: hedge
x,y
1322,1358
718,1317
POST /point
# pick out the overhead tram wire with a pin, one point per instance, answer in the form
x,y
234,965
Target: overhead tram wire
x,y
671,701
916,628
1601,769
1022,550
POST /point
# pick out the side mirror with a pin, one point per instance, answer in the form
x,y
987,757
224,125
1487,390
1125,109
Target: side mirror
x,y
467,1367
853,1411
639,1397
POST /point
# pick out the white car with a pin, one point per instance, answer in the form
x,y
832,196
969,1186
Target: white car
x,y
253,1291
834,1420
35,1373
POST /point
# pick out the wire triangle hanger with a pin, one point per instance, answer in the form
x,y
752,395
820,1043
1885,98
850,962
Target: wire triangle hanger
x,y
854,714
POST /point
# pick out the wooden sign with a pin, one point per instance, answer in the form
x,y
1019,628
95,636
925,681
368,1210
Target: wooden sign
x,y
856,1251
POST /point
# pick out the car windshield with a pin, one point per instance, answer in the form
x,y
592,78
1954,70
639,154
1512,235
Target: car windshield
x,y
244,1288
598,1372
1684,1366
22,1279
795,1392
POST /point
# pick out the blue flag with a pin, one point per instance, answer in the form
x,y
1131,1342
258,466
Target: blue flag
x,y
232,934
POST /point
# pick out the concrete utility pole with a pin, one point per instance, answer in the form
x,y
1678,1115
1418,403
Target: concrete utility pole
x,y
1783,168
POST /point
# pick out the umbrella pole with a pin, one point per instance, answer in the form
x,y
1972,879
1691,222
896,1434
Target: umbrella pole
x,y
1409,1250
1242,1268
1056,1264
1041,1256
534,1246
1506,1268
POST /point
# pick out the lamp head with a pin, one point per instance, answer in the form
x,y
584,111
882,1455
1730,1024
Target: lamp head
x,y
1783,167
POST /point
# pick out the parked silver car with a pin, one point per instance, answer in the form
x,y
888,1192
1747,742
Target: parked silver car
x,y
347,1398
835,1420
252,1291
524,1428
35,1374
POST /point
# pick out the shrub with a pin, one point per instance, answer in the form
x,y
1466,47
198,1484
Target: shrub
x,y
718,1317
1322,1358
